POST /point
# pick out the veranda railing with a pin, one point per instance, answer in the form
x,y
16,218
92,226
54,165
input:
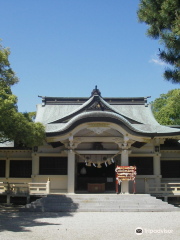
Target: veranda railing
x,y
162,188
24,188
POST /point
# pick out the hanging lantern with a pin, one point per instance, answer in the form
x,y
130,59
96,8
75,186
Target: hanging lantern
x,y
83,171
35,148
156,149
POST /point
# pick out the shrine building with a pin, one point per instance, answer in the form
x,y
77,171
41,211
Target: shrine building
x,y
87,137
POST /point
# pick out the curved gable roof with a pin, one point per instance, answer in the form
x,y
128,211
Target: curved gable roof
x,y
86,117
60,115
63,113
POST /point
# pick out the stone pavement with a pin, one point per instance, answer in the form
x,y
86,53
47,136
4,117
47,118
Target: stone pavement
x,y
16,225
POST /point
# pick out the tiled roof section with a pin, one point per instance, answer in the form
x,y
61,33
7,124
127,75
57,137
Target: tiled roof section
x,y
13,146
59,114
139,113
7,144
97,114
155,128
81,100
50,113
54,127
138,129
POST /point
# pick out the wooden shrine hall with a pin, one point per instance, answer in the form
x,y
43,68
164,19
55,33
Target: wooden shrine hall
x,y
86,138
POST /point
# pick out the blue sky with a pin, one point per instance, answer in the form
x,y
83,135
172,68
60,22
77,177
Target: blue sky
x,y
63,48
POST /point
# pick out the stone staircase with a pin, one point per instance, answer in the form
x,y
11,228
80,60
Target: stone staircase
x,y
99,203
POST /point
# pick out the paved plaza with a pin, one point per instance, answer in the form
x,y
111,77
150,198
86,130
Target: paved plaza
x,y
93,225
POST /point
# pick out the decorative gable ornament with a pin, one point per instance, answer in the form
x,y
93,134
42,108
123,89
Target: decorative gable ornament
x,y
95,92
98,128
98,106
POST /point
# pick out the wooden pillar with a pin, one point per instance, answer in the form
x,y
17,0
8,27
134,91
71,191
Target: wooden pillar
x,y
125,162
28,199
7,168
71,171
35,166
166,199
48,186
157,168
8,199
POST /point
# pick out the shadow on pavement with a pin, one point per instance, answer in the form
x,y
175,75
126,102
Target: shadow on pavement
x,y
11,219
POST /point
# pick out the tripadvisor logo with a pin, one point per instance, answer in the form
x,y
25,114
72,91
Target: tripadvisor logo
x,y
139,231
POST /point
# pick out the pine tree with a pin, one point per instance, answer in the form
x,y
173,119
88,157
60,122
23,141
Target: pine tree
x,y
163,19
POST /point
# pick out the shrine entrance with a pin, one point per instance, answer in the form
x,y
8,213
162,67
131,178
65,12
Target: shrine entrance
x,y
96,176
93,175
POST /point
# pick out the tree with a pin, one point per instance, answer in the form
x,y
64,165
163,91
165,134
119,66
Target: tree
x,y
163,19
166,109
15,126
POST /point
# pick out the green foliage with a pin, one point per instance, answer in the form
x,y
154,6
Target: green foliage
x,y
7,75
166,109
163,19
30,116
13,124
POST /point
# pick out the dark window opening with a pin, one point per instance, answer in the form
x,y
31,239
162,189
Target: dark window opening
x,y
21,168
95,175
144,165
53,166
2,168
170,169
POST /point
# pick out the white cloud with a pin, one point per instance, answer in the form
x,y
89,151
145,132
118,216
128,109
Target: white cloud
x,y
157,61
